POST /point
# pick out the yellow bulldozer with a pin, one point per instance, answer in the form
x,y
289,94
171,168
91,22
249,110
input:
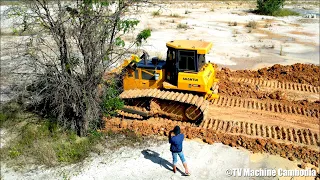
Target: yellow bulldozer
x,y
178,88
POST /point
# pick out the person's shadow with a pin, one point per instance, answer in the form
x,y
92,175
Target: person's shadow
x,y
155,158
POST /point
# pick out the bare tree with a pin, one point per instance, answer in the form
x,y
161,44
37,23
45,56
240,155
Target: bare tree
x,y
70,46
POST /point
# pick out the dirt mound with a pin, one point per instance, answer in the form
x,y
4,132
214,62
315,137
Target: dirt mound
x,y
227,87
297,73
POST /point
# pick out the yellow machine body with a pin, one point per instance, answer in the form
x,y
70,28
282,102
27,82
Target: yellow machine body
x,y
146,74
134,79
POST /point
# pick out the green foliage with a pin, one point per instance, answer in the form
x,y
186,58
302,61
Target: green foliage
x,y
120,42
285,12
268,7
15,31
13,153
127,25
73,151
143,35
99,2
111,101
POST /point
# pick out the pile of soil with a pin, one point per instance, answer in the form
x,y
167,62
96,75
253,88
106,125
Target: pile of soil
x,y
241,90
297,73
230,88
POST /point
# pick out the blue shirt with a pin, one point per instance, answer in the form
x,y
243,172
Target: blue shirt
x,y
176,143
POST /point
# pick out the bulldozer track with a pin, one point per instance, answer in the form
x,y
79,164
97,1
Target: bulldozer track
x,y
199,102
294,135
276,107
280,85
303,136
130,115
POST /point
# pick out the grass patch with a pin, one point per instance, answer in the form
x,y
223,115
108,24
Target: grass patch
x,y
42,141
182,26
8,114
9,3
155,13
285,12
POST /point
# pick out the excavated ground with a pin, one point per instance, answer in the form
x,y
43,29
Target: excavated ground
x,y
273,110
296,73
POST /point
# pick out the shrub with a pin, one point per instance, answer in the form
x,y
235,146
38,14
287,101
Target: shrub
x,y
111,101
252,24
182,26
174,15
233,23
268,7
155,13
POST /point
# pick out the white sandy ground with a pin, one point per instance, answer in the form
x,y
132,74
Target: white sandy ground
x,y
154,162
233,45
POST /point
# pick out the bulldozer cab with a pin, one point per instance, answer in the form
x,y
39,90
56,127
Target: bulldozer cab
x,y
185,56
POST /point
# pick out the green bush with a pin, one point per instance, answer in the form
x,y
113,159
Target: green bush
x,y
112,101
143,35
285,12
268,7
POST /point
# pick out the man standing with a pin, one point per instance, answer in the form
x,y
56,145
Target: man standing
x,y
176,149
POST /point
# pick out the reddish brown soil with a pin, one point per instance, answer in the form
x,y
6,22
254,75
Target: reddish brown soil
x,y
227,87
242,90
298,73
210,136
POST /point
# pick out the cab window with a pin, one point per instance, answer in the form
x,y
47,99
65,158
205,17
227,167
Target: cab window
x,y
148,74
187,61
